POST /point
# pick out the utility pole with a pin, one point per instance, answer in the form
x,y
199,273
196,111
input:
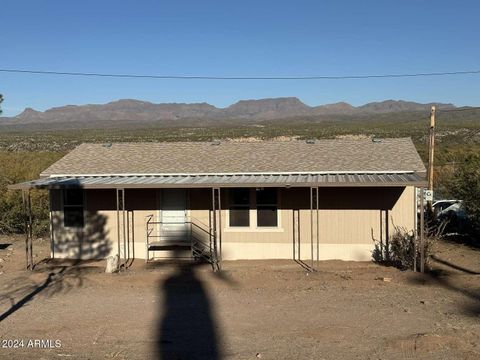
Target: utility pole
x,y
431,148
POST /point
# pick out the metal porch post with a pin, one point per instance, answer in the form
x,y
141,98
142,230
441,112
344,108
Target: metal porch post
x,y
318,229
219,225
311,228
124,224
24,204
415,233
52,238
120,228
30,233
27,207
422,232
214,220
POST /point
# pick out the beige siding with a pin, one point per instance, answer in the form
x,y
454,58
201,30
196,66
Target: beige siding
x,y
403,213
97,238
350,219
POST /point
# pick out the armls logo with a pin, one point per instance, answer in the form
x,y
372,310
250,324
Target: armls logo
x,y
44,343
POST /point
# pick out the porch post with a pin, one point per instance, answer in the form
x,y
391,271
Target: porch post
x,y
214,220
387,235
220,224
415,227
318,230
30,226
24,204
52,239
124,224
422,232
311,228
120,228
27,207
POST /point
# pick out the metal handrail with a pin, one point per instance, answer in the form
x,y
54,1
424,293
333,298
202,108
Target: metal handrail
x,y
198,246
151,217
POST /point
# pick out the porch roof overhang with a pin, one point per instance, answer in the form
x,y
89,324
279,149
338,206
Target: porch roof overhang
x,y
141,181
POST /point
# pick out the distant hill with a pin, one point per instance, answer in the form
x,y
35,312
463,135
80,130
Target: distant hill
x,y
131,112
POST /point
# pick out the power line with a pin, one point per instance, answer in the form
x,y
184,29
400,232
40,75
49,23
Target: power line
x,y
195,77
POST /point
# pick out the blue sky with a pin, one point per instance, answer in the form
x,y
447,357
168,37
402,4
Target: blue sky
x,y
238,38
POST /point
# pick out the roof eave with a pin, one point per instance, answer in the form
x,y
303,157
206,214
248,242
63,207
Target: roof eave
x,y
421,182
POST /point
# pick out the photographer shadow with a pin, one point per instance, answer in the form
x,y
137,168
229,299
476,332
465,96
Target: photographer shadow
x,y
187,329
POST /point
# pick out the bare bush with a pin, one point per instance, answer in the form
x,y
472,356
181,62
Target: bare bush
x,y
404,249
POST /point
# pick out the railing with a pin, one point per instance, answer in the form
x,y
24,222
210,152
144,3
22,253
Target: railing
x,y
197,234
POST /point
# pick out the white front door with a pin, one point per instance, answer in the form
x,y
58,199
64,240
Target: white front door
x,y
173,214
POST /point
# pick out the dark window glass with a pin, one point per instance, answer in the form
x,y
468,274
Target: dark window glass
x,y
239,216
267,216
267,207
73,212
73,216
240,207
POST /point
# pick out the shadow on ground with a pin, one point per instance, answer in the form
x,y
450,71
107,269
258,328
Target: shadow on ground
x,y
452,266
91,242
60,279
187,328
456,278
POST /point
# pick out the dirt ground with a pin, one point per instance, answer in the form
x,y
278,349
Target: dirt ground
x,y
250,310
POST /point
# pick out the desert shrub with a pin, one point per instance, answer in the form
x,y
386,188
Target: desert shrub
x,y
465,185
16,167
12,215
400,251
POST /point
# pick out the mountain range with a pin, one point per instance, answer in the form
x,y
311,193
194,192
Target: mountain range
x,y
244,111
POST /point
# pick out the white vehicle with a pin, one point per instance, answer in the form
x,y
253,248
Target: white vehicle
x,y
452,211
441,205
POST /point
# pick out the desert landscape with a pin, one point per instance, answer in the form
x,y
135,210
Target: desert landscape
x,y
249,310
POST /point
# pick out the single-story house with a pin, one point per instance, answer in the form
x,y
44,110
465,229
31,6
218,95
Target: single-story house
x,y
225,200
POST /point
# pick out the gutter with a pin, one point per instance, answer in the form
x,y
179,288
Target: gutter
x,y
363,172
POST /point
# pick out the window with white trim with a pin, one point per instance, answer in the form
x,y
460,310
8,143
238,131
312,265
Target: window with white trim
x,y
73,208
267,207
239,207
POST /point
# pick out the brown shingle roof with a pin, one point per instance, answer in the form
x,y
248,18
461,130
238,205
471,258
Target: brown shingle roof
x,y
340,155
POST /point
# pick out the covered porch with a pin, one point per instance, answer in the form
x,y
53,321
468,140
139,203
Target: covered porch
x,y
123,216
